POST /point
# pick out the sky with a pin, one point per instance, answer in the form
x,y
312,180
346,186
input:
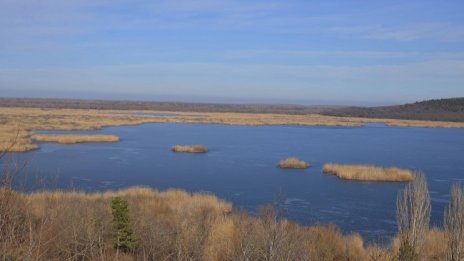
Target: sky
x,y
289,51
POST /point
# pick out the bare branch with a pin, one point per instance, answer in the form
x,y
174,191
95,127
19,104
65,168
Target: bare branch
x,y
454,224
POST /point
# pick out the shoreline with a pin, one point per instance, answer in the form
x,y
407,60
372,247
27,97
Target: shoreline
x,y
19,123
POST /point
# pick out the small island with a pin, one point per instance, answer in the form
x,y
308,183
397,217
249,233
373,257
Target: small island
x,y
293,163
73,139
368,173
190,148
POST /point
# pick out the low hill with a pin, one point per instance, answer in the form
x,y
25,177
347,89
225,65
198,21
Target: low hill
x,y
434,110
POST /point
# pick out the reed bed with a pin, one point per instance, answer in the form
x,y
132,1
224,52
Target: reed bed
x,y
189,148
293,163
73,139
368,173
27,120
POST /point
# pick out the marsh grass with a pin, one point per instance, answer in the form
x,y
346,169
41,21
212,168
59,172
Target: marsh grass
x,y
73,139
189,148
368,173
293,163
31,119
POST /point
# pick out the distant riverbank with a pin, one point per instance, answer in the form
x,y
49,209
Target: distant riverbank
x,y
18,124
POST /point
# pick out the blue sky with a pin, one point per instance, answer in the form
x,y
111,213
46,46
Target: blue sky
x,y
310,52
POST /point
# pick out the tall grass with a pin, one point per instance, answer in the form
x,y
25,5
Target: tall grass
x,y
176,225
368,173
170,225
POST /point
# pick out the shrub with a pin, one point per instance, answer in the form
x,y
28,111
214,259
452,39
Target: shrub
x,y
454,224
413,216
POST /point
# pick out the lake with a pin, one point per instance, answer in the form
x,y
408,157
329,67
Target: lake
x,y
241,167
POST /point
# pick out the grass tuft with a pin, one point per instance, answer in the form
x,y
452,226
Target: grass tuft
x,y
190,148
293,163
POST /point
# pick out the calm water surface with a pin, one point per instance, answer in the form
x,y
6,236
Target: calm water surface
x,y
241,167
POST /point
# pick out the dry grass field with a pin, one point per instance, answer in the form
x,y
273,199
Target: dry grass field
x,y
18,124
293,163
174,225
368,173
190,148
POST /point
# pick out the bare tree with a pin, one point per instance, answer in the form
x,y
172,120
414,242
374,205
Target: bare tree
x,y
413,216
454,224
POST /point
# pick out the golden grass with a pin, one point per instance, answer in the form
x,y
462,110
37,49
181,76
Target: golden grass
x,y
169,225
72,225
190,148
368,173
28,120
293,163
73,139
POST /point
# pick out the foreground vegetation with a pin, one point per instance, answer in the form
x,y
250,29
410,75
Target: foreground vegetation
x,y
73,139
293,163
368,173
144,224
189,148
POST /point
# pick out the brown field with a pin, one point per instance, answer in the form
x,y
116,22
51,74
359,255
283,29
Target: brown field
x,y
17,124
173,225
368,173
73,139
190,148
293,163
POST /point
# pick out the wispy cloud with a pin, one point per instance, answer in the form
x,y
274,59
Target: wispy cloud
x,y
441,32
279,80
263,47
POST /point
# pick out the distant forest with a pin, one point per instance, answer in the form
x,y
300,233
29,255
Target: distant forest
x,y
161,106
433,110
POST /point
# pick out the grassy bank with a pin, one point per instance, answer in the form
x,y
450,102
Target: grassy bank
x,y
27,120
293,163
368,173
189,148
72,139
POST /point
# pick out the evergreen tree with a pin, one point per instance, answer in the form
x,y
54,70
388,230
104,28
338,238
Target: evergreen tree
x,y
122,225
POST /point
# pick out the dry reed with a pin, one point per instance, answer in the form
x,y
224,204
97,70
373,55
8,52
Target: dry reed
x,y
73,139
368,173
293,163
189,148
31,119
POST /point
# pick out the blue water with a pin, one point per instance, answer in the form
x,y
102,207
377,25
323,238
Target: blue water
x,y
241,167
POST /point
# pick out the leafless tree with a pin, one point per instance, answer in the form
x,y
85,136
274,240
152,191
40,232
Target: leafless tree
x,y
454,224
13,229
413,216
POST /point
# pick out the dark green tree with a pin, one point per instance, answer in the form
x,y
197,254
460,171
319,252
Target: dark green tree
x,y
122,225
